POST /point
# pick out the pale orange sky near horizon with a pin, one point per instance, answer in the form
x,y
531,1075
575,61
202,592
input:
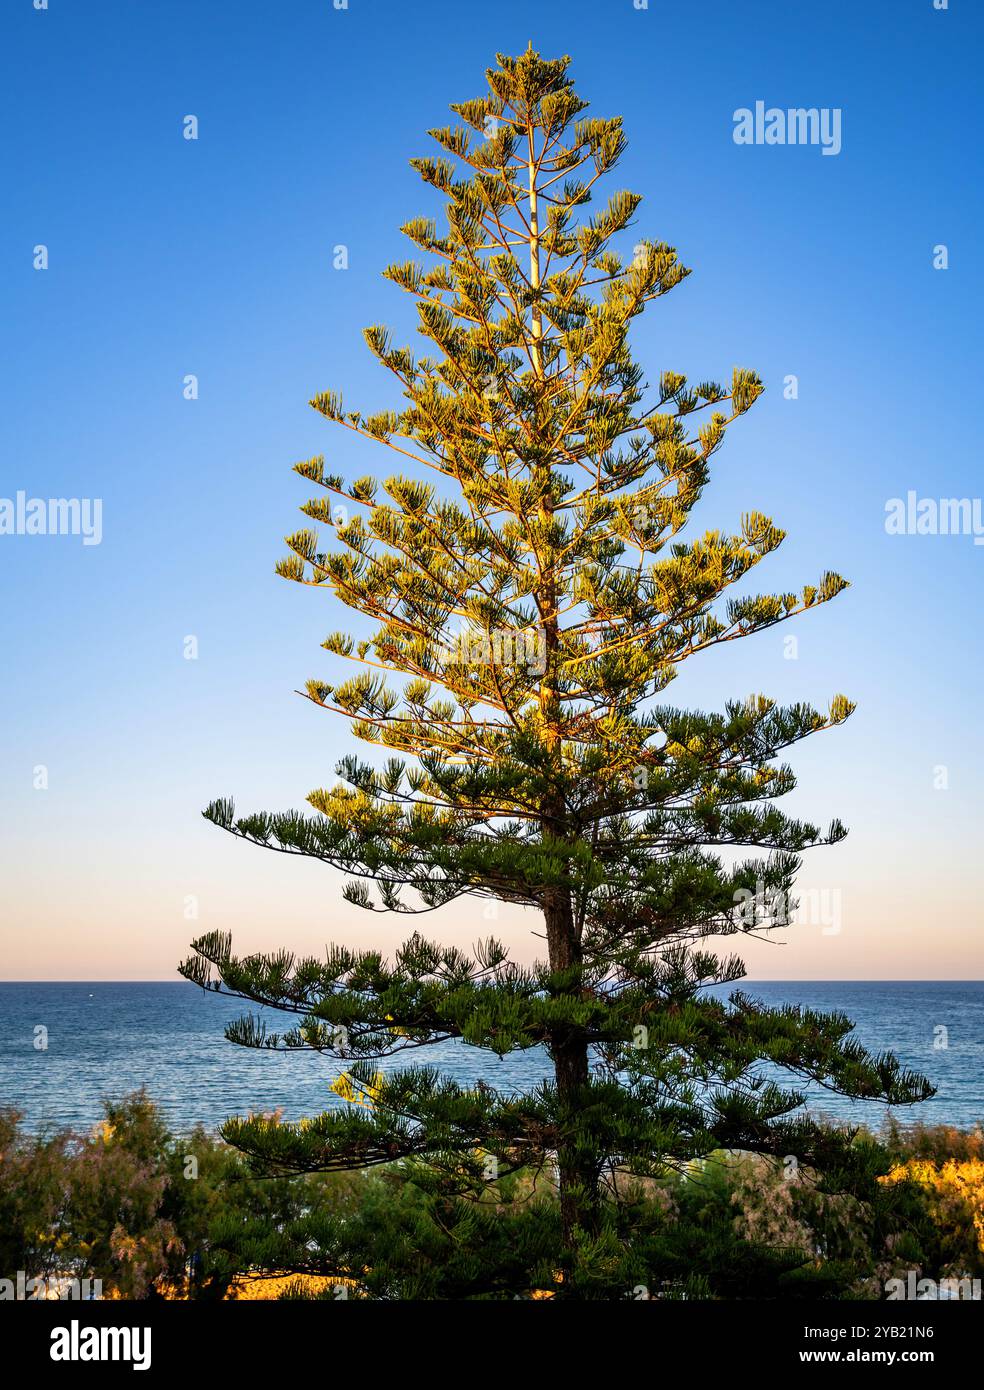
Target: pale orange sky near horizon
x,y
127,922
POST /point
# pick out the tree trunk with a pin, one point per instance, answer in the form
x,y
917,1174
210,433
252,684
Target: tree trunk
x,y
577,1176
577,1179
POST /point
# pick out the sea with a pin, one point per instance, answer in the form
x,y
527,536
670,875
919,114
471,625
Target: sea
x,y
65,1047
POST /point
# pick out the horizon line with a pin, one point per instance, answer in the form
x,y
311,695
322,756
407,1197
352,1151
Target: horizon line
x,y
747,979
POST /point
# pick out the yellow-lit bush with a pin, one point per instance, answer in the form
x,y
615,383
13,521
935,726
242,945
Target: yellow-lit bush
x,y
955,1194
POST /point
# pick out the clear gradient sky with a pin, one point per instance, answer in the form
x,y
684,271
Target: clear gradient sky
x,y
169,257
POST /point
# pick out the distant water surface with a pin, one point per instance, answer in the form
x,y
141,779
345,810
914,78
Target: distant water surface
x,y
107,1039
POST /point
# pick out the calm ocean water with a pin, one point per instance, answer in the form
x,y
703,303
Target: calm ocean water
x,y
107,1039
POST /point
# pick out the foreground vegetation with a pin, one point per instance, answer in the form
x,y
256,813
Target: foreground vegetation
x,y
154,1215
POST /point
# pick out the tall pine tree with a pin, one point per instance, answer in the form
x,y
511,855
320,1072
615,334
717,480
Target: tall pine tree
x,y
525,576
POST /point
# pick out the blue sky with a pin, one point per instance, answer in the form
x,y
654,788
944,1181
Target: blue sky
x,y
214,257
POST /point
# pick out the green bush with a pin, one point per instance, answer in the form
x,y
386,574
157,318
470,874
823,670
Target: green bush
x,y
150,1213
